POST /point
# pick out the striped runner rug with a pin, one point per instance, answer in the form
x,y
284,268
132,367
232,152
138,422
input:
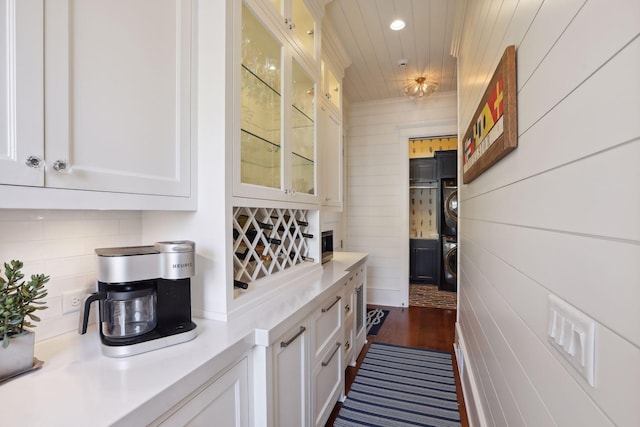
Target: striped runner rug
x,y
402,386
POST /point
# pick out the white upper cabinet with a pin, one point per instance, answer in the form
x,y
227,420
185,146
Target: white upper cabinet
x,y
300,24
303,131
330,137
114,92
275,133
21,93
118,95
331,87
261,99
330,140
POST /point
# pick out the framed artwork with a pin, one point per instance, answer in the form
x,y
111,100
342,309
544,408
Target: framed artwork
x,y
493,132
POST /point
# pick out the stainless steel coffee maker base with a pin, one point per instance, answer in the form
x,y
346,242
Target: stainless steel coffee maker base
x,y
145,346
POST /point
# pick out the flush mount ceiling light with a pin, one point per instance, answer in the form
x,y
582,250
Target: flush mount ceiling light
x,y
397,25
420,87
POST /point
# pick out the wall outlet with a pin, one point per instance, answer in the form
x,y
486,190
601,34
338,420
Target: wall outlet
x,y
71,300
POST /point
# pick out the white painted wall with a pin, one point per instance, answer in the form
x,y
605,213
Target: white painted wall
x,y
377,196
560,215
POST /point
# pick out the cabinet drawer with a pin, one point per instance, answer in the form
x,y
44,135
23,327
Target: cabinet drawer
x,y
327,384
348,304
327,322
349,341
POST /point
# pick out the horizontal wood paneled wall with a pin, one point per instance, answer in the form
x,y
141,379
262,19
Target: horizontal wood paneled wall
x,y
560,215
377,184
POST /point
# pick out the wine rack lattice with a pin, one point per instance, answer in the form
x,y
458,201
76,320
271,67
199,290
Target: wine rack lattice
x,y
268,240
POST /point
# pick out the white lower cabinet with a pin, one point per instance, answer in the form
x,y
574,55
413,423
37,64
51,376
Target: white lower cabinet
x,y
222,402
328,383
348,324
300,376
327,322
291,377
328,370
349,340
360,300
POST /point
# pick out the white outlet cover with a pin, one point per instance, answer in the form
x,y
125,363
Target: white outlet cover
x,y
573,334
72,299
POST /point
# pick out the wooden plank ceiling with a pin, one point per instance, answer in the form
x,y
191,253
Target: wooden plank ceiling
x,y
362,26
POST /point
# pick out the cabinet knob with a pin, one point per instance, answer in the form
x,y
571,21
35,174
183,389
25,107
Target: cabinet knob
x,y
289,23
34,162
62,166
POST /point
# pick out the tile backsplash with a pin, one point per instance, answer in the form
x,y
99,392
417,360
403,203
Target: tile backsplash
x,y
61,244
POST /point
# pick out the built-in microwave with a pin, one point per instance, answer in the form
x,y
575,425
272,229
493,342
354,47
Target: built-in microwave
x,y
327,246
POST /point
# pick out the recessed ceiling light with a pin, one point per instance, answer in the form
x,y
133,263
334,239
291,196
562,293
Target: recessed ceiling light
x,y
397,25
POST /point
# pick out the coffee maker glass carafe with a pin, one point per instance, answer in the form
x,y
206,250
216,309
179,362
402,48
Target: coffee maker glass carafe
x,y
128,313
126,309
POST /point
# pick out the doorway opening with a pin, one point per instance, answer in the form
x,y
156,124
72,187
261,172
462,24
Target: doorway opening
x,y
433,209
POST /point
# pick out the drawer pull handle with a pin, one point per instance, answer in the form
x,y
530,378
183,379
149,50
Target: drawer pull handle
x,y
338,298
347,307
284,344
335,350
347,345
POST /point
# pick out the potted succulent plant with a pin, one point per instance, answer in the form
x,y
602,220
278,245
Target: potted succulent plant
x,y
19,300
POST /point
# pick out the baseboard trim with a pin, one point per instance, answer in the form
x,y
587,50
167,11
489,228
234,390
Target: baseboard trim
x,y
470,390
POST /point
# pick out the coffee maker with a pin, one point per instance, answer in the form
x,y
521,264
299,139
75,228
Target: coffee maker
x,y
144,296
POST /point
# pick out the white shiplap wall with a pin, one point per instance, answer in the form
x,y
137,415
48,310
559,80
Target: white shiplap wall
x,y
559,215
61,244
377,157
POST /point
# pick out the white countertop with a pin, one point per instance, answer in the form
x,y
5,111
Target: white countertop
x,y
79,386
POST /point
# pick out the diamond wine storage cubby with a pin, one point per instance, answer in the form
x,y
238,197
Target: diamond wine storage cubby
x,y
268,240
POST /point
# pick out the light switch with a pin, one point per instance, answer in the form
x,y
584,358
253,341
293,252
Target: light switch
x,y
578,346
553,324
565,334
572,333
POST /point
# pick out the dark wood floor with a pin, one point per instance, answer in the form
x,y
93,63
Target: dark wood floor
x,y
432,328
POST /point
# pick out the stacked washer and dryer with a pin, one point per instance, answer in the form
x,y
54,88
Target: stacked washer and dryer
x,y
449,235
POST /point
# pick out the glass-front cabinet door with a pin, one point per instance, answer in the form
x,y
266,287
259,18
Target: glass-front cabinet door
x,y
275,145
260,104
304,27
298,20
334,90
303,131
331,87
